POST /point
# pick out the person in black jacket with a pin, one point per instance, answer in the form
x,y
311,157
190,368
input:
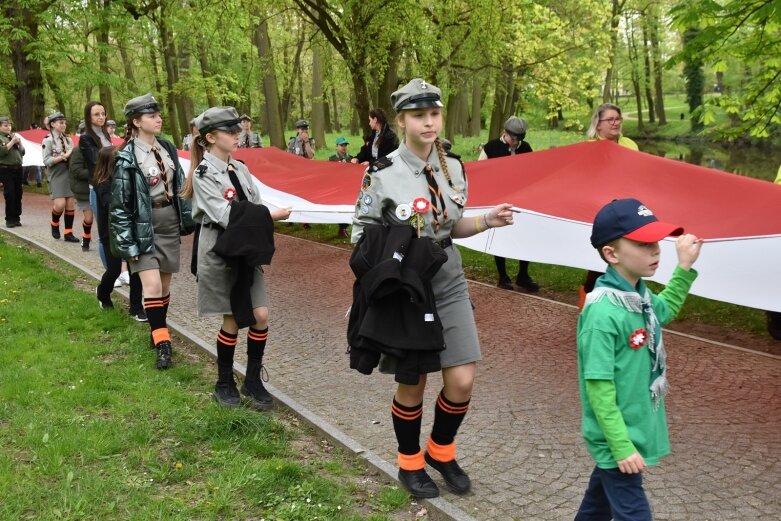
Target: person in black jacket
x,y
419,175
511,143
94,137
381,142
104,171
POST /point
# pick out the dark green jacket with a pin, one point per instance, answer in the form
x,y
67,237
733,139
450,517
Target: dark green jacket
x,y
79,175
130,210
12,157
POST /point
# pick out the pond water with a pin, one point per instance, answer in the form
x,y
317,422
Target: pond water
x,y
760,163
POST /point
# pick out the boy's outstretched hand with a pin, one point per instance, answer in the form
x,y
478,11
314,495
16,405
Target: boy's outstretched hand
x,y
688,247
634,464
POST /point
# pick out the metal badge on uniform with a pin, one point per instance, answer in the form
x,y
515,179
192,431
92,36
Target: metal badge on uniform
x,y
367,181
153,180
367,199
458,198
229,194
364,209
154,171
403,212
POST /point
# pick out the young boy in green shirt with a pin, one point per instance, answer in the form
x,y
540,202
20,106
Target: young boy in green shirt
x,y
622,369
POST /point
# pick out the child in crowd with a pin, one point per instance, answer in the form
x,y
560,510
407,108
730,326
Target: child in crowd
x,y
622,362
235,227
147,215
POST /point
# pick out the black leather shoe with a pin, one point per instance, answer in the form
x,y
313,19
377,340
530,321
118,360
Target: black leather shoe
x,y
164,360
69,237
528,284
55,232
418,483
455,478
226,395
505,284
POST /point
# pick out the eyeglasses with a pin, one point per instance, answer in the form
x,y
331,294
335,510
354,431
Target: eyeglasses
x,y
612,121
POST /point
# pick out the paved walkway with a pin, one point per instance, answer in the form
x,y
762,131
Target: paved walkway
x,y
520,441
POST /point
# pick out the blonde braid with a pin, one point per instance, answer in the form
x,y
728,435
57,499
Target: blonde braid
x,y
443,162
197,152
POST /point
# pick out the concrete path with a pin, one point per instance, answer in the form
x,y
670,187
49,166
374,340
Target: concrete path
x,y
520,441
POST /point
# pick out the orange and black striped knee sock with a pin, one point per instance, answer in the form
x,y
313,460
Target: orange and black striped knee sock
x,y
56,219
69,215
447,419
406,425
256,344
155,313
87,236
226,346
166,302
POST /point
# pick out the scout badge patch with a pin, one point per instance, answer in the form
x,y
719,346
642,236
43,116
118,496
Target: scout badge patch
x,y
229,194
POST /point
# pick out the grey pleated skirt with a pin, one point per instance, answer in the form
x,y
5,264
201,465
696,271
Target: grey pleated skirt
x,y
214,279
165,255
59,182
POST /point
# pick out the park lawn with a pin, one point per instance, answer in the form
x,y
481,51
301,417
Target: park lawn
x,y
561,283
90,430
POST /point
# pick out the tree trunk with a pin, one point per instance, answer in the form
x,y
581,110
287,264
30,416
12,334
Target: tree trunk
x,y
28,88
127,65
695,79
355,124
287,95
657,58
649,97
476,112
615,17
103,48
335,110
634,69
391,80
318,94
503,96
274,126
361,99
203,61
155,68
451,113
167,43
184,103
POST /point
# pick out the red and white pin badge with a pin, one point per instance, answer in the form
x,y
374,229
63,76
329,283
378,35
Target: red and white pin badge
x,y
229,194
638,338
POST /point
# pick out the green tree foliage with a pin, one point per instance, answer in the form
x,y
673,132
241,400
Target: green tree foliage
x,y
695,79
747,31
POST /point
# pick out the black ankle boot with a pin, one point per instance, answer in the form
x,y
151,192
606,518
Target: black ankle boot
x,y
69,237
418,483
225,392
56,232
85,244
259,398
164,360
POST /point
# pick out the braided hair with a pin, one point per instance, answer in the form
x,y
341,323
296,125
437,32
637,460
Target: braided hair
x,y
197,151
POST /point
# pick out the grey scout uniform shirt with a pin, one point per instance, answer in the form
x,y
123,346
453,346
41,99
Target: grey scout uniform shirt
x,y
52,148
213,188
148,165
383,190
249,140
10,156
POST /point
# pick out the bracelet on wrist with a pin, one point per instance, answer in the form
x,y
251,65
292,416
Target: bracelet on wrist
x,y
477,224
485,218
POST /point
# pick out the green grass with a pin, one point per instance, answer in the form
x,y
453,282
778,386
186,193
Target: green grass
x,y
561,283
90,430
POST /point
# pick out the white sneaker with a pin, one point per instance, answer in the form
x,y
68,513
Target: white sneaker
x,y
124,278
118,282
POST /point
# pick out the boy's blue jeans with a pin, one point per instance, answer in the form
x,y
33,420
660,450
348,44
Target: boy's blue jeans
x,y
611,494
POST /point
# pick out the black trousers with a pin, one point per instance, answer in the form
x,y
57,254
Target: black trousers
x,y
113,269
11,177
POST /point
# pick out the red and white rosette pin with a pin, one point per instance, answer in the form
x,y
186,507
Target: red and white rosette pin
x,y
229,194
421,205
638,338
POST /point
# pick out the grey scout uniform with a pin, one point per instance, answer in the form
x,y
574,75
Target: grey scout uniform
x,y
165,220
249,140
382,191
212,195
57,172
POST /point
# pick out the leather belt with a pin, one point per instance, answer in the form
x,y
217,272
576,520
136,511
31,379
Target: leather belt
x,y
212,225
445,243
161,204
